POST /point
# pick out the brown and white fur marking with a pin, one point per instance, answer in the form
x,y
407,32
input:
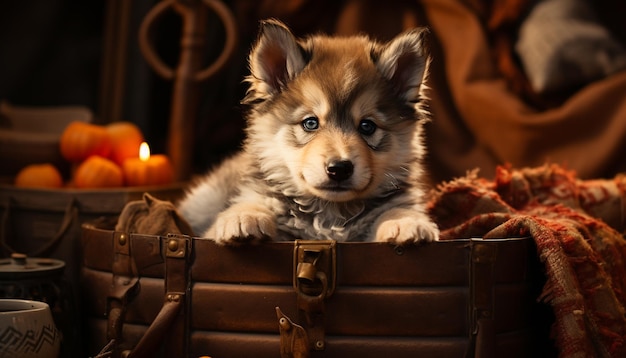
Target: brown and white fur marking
x,y
333,147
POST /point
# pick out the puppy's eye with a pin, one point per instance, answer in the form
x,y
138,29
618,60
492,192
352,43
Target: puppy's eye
x,y
367,127
310,124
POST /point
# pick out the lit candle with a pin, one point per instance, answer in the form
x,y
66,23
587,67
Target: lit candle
x,y
148,169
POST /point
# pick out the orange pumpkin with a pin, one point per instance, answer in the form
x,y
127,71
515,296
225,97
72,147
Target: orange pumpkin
x,y
81,140
39,176
125,138
98,172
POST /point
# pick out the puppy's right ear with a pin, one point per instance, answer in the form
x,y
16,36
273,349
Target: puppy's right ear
x,y
274,61
404,62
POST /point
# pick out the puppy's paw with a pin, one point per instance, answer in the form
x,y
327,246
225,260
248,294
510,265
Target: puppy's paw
x,y
403,226
242,223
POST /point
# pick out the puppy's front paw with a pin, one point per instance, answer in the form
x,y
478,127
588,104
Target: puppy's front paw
x,y
401,226
242,223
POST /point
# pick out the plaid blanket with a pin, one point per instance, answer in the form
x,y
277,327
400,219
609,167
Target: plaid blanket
x,y
578,229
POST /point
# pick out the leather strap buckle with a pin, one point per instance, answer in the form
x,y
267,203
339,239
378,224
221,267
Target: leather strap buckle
x,y
314,278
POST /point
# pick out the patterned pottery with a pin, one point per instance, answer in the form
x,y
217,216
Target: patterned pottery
x,y
27,330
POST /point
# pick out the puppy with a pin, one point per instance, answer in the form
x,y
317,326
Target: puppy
x,y
333,147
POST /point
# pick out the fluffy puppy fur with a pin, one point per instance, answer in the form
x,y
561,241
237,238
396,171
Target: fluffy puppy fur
x,y
333,147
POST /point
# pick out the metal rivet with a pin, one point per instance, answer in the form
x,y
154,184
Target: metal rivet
x,y
172,245
284,323
319,344
122,239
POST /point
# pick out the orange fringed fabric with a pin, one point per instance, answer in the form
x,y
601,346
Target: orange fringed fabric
x,y
584,258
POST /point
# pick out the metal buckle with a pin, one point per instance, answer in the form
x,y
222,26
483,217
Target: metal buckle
x,y
314,277
315,268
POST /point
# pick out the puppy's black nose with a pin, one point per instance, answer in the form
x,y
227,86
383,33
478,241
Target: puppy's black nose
x,y
340,170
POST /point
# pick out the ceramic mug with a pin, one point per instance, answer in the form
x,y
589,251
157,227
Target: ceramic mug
x,y
27,330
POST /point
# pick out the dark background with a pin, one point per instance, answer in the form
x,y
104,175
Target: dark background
x,y
75,52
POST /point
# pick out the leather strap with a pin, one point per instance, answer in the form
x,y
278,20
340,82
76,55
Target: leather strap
x,y
483,335
178,287
152,339
123,287
70,216
170,325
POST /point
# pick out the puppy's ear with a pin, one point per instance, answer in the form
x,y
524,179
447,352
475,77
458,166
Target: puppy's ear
x,y
404,62
275,59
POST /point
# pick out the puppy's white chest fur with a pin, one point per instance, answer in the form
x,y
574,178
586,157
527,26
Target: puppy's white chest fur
x,y
325,223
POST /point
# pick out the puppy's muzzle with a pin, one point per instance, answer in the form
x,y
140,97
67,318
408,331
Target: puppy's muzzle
x,y
339,170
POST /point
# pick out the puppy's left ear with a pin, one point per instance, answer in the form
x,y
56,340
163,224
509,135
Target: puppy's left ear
x,y
403,61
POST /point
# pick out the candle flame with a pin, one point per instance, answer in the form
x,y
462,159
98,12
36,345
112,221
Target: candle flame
x,y
144,152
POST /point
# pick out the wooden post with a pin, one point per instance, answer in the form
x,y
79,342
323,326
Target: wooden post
x,y
189,71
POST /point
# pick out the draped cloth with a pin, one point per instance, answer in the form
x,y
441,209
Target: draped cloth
x,y
584,258
479,120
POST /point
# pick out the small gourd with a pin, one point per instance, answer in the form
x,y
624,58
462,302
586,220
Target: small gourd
x,y
98,172
125,138
81,140
39,176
